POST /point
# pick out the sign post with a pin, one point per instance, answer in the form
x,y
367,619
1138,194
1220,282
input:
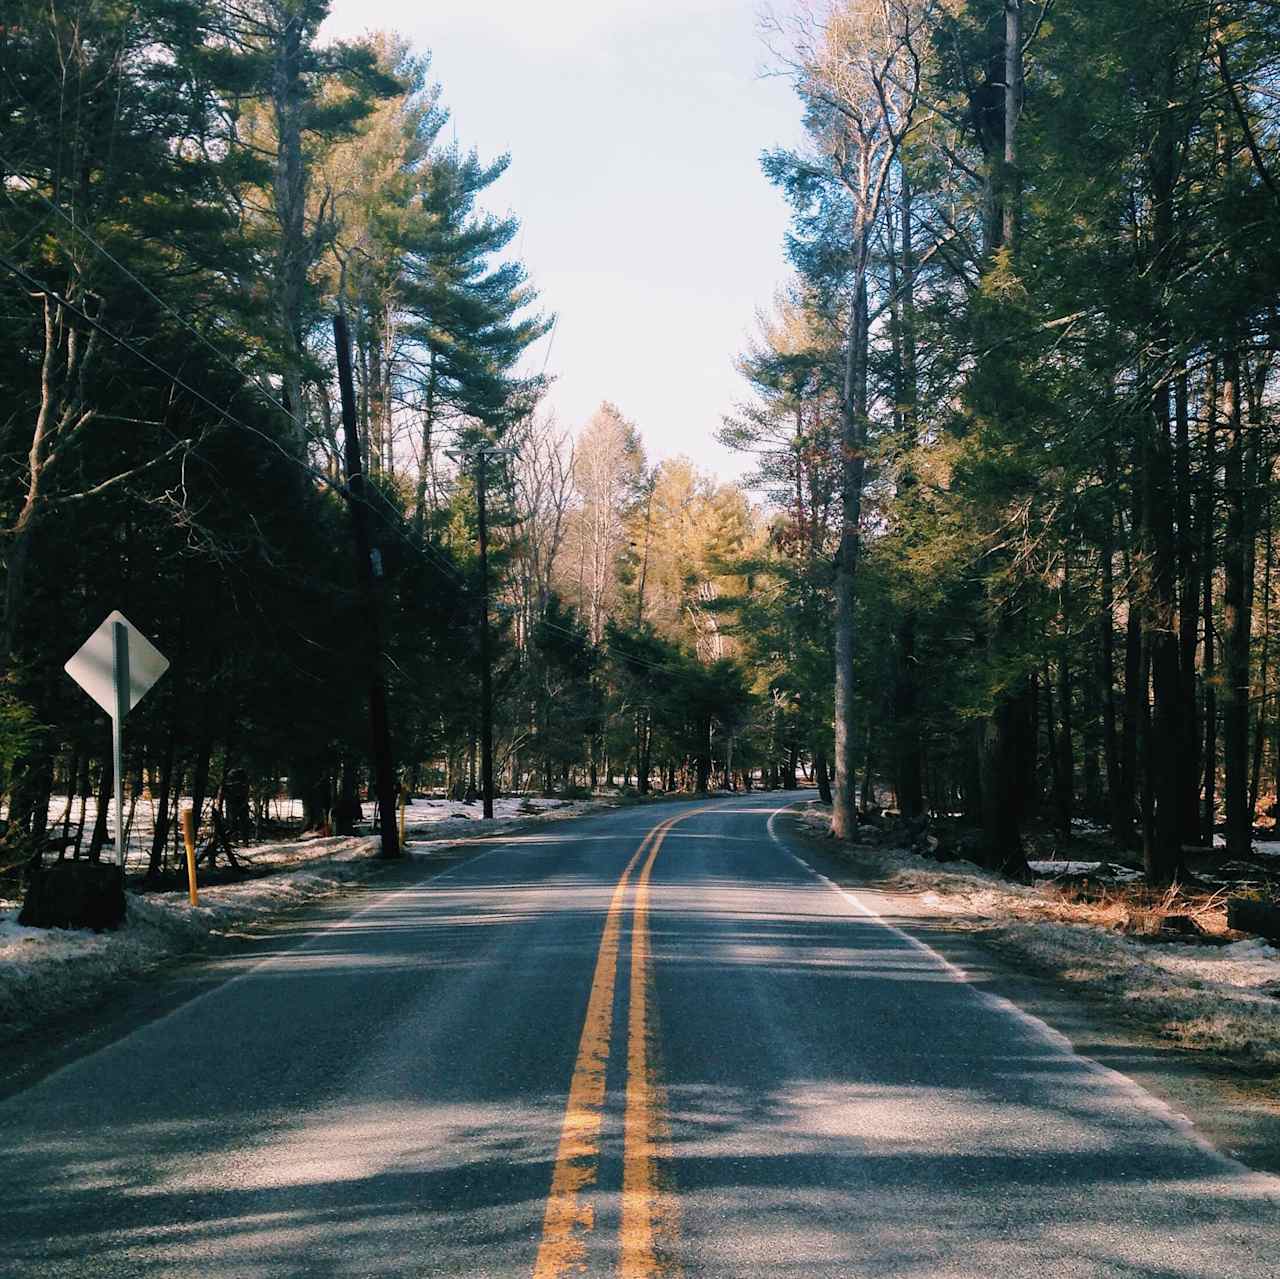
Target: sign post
x,y
117,666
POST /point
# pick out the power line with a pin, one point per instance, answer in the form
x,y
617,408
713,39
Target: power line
x,y
615,650
424,546
27,278
221,355
296,419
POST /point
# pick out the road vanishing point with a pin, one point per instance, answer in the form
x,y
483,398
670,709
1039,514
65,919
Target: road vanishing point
x,y
651,1042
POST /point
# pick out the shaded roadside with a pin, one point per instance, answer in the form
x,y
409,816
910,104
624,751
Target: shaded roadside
x,y
1232,1097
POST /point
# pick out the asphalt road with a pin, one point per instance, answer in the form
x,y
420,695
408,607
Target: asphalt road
x,y
650,1042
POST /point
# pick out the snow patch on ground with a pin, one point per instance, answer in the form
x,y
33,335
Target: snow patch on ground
x,y
439,816
1224,998
47,970
1203,996
52,969
1053,869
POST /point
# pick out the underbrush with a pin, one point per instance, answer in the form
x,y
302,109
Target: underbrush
x,y
1139,911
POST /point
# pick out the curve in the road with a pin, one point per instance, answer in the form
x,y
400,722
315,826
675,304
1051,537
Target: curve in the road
x,y
527,1062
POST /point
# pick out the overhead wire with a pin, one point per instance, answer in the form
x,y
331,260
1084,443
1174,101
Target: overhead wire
x,y
295,418
424,547
314,472
616,650
81,314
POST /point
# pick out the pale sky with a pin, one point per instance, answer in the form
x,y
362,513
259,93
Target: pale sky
x,y
635,129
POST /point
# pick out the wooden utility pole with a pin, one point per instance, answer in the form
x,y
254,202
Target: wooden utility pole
x,y
486,675
369,572
481,453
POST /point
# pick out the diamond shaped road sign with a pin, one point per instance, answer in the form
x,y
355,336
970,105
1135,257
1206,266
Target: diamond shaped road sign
x,y
95,665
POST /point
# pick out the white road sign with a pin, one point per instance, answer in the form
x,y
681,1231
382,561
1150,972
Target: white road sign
x,y
94,665
116,666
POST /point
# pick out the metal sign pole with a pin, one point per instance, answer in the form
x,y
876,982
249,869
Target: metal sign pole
x,y
120,677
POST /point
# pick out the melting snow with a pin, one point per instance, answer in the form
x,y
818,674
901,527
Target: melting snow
x,y
43,969
1107,869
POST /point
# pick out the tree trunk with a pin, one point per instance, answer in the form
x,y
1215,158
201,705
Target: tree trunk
x,y
288,95
1010,179
908,781
347,810
1065,773
1000,800
1107,671
1236,620
1188,622
644,755
852,473
200,773
868,785
971,754
1162,851
1260,734
1207,521
1003,770
702,773
106,785
823,777
1134,709
161,832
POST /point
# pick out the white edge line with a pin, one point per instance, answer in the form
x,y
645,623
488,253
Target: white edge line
x,y
1261,1182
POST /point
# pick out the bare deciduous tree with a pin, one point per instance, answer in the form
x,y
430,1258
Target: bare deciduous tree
x,y
857,68
608,467
542,479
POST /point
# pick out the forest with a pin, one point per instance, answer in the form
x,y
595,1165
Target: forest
x,y
191,192
1019,411
1004,552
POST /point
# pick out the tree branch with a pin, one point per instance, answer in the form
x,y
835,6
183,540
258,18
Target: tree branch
x,y
121,478
1243,117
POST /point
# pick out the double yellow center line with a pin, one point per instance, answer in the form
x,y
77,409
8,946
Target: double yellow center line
x,y
648,1213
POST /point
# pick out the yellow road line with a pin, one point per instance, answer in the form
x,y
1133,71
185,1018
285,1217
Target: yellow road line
x,y
568,1220
647,1213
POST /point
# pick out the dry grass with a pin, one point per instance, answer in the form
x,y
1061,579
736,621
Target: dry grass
x,y
1139,911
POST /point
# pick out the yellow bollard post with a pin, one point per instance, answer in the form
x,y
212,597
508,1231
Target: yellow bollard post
x,y
189,838
404,790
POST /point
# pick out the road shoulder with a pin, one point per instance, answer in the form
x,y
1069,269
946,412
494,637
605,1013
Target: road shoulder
x,y
1233,1104
200,962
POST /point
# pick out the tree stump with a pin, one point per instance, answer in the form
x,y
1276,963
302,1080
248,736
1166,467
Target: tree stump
x,y
78,894
1251,916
